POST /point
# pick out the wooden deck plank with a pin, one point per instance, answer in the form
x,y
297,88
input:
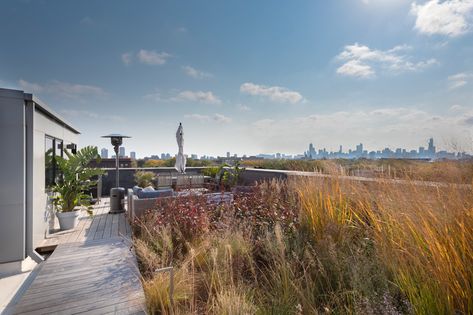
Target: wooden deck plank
x,y
90,230
88,276
107,232
122,226
115,220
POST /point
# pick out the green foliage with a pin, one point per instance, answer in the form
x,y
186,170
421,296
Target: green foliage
x,y
289,165
229,175
144,179
197,163
154,163
172,161
75,179
211,171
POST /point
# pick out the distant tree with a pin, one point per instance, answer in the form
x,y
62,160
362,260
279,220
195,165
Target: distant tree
x,y
154,163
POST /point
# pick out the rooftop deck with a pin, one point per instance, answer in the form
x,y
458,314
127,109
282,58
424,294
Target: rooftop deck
x,y
92,271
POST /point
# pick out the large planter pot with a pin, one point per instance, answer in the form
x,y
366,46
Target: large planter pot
x,y
68,220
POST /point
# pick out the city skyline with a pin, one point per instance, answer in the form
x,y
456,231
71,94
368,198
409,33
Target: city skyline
x,y
422,152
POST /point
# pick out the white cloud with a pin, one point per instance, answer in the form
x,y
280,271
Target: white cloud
x,y
458,80
127,58
197,96
363,62
355,68
274,93
243,108
219,118
194,73
62,89
450,18
457,108
152,57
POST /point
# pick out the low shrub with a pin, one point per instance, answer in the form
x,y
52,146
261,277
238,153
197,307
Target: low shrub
x,y
144,179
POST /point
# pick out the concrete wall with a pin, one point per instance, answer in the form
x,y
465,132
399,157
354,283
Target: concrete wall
x,y
249,176
43,126
12,175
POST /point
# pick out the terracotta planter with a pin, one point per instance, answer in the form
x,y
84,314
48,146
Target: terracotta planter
x,y
68,220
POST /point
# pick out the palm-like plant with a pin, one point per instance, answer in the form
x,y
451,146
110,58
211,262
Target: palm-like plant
x,y
75,179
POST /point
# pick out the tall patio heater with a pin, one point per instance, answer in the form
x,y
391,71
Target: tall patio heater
x,y
117,194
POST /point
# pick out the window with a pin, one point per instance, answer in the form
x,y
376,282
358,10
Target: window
x,y
49,161
52,148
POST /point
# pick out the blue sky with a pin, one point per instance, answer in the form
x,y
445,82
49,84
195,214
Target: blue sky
x,y
248,76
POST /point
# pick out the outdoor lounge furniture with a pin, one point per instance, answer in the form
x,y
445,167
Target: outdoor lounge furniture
x,y
142,193
138,201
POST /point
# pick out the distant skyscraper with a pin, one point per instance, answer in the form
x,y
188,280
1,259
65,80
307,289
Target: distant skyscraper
x,y
133,155
359,148
228,154
104,153
121,152
194,156
431,149
311,153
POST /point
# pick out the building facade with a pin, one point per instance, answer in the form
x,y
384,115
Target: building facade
x,y
34,136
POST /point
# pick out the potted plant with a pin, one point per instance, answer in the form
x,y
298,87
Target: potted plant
x,y
76,178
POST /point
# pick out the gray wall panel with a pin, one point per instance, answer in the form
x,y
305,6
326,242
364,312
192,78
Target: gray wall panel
x,y
12,174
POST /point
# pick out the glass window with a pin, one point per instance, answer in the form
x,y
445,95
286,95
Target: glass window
x,y
53,148
49,161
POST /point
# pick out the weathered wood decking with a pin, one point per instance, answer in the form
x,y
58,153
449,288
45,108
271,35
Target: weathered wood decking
x,y
92,271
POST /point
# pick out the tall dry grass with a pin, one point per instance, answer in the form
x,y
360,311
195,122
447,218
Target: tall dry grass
x,y
315,245
422,235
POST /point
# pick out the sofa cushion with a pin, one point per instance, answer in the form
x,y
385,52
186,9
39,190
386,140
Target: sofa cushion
x,y
136,189
165,192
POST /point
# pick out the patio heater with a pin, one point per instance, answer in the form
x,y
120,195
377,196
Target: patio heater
x,y
117,193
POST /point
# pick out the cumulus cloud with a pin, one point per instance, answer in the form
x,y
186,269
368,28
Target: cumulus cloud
x,y
194,73
274,93
456,108
61,89
458,80
468,120
219,118
355,68
363,62
449,18
197,96
152,57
